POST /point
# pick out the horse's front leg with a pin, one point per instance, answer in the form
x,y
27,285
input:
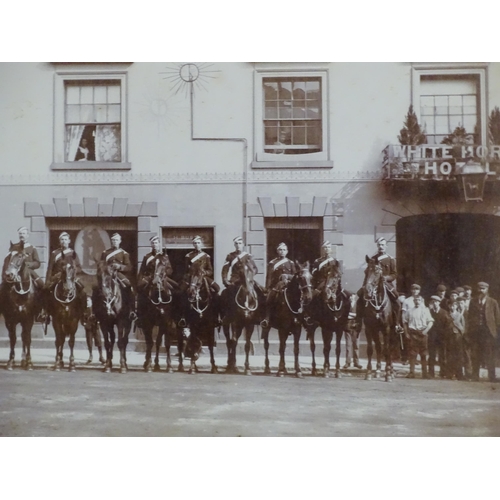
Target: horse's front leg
x,y
148,336
71,343
211,342
226,328
338,349
248,346
296,347
12,341
327,334
311,330
159,337
26,338
122,347
265,338
180,347
369,352
389,375
283,334
171,331
379,347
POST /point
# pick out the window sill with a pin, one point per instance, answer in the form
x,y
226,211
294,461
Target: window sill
x,y
283,164
91,165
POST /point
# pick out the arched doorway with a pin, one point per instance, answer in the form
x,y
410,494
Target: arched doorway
x,y
455,249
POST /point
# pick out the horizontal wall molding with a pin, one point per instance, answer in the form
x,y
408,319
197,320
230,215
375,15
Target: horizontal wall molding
x,y
113,178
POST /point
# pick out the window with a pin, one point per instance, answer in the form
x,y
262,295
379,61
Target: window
x,y
90,128
446,98
93,120
290,125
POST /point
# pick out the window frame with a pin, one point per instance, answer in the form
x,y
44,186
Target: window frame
x,y
479,71
59,160
269,160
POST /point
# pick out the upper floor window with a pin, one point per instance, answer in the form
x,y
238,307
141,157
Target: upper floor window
x,y
90,126
447,97
290,123
93,120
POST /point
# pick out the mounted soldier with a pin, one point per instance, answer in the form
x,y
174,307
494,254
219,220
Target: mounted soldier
x,y
231,272
57,261
147,272
388,265
31,261
201,260
118,259
323,266
280,271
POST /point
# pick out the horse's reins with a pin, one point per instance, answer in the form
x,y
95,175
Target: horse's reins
x,y
21,290
158,285
374,302
301,288
197,301
246,307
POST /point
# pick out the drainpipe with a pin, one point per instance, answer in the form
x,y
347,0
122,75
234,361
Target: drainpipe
x,y
245,159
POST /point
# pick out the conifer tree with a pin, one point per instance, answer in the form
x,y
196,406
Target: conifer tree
x,y
411,134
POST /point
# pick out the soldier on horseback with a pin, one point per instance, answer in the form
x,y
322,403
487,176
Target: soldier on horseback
x,y
147,272
388,265
57,260
279,272
31,261
201,259
118,259
231,272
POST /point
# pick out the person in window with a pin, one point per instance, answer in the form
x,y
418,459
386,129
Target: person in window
x,y
84,153
283,140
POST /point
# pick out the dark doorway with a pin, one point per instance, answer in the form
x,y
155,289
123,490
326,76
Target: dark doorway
x,y
452,249
303,237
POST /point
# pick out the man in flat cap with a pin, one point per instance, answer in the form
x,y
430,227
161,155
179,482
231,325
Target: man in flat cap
x,y
389,273
482,323
31,261
232,270
118,259
467,297
441,293
280,271
57,261
438,335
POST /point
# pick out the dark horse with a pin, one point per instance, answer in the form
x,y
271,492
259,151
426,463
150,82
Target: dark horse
x,y
242,315
378,319
112,309
330,311
66,311
288,316
158,310
19,307
201,318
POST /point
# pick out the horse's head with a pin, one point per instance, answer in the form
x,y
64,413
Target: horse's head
x,y
159,280
373,275
332,283
16,271
303,278
196,281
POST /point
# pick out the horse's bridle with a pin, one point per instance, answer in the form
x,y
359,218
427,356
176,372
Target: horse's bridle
x,y
17,281
72,292
246,306
372,299
334,293
301,288
195,302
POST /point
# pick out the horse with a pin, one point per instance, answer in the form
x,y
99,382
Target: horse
x,y
112,309
201,318
66,310
243,315
19,306
378,319
158,309
330,311
288,317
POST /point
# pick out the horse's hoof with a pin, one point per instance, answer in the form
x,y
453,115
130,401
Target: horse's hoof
x,y
71,368
156,367
102,360
338,374
326,374
23,363
299,375
10,365
280,374
181,368
107,369
248,372
388,378
368,377
377,375
235,369
267,370
214,369
29,366
88,361
314,372
170,369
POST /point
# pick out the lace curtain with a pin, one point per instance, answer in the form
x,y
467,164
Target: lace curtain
x,y
108,143
73,137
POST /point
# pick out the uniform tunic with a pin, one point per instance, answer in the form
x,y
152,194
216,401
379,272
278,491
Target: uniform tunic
x,y
149,264
234,266
320,269
280,266
58,260
117,256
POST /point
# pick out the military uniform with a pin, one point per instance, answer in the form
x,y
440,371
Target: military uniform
x,y
388,265
321,268
201,259
231,271
57,261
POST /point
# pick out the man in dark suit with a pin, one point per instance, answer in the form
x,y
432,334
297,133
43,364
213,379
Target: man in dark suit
x,y
483,321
